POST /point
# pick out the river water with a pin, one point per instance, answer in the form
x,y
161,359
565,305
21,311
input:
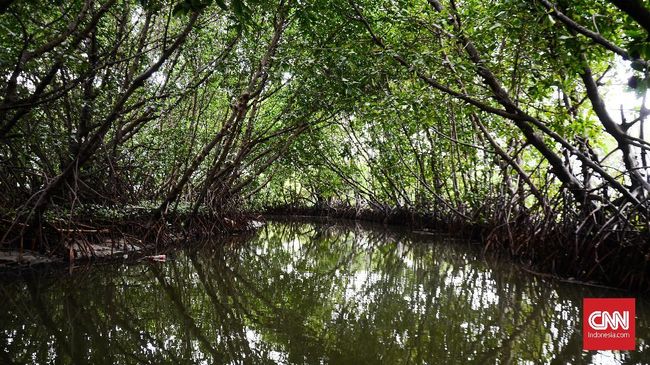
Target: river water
x,y
305,293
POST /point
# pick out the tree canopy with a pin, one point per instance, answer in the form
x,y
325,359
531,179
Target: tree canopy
x,y
480,113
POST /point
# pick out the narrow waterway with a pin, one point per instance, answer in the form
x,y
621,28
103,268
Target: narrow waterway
x,y
304,293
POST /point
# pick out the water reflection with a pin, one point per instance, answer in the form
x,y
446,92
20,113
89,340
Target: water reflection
x,y
306,294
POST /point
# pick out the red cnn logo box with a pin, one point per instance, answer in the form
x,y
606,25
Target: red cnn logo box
x,y
608,324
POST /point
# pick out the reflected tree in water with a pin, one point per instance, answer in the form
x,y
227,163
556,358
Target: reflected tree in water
x,y
300,293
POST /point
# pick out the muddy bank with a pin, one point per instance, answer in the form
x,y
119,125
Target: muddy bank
x,y
397,217
96,239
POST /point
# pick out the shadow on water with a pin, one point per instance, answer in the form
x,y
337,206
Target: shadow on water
x,y
305,293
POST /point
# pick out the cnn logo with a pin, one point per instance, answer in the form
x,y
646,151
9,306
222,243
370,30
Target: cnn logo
x,y
600,320
608,324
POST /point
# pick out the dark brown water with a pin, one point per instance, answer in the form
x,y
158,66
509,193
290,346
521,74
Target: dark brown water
x,y
304,293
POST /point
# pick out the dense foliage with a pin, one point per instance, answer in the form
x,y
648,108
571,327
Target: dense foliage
x,y
478,113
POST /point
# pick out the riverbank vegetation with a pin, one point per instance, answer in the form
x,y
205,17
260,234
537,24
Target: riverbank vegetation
x,y
503,117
